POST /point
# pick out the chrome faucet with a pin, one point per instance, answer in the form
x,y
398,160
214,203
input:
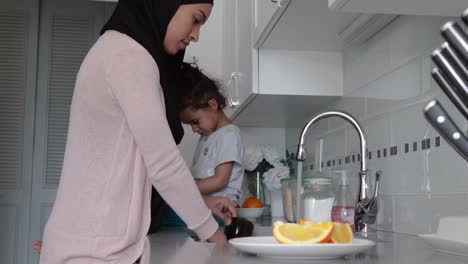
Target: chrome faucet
x,y
366,205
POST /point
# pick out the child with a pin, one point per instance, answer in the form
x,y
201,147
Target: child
x,y
217,164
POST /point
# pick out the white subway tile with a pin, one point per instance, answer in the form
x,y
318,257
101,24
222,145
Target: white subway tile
x,y
403,174
334,144
292,138
429,86
310,147
370,61
356,106
410,36
377,130
411,214
416,214
385,213
392,90
409,124
386,179
447,171
275,137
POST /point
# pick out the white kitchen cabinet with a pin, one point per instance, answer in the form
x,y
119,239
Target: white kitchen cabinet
x,y
291,75
237,53
244,50
407,7
229,53
266,14
297,60
291,86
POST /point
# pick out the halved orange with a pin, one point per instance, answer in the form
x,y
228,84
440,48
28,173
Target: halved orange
x,y
310,233
341,233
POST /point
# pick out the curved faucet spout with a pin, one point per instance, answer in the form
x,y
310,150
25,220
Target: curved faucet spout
x,y
364,202
301,151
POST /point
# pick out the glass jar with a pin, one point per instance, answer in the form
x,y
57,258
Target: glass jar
x,y
317,200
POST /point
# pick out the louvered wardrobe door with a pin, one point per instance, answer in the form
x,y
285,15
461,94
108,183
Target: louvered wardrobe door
x,y
68,30
18,46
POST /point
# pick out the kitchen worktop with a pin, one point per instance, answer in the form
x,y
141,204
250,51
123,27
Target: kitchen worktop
x,y
174,246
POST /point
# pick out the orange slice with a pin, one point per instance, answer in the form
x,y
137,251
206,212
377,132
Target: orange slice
x,y
341,233
310,233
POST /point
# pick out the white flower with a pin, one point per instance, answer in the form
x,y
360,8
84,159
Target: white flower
x,y
252,157
271,156
272,178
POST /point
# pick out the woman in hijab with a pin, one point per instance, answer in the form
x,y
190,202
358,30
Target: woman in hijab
x,y
122,139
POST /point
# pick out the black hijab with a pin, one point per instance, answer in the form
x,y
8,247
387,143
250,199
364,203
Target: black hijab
x,y
146,22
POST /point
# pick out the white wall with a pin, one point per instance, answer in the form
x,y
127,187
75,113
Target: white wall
x,y
275,137
387,82
208,52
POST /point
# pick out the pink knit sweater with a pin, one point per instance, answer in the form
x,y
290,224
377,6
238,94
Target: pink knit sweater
x,y
119,144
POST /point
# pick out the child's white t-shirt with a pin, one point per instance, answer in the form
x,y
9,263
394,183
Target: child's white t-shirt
x,y
223,145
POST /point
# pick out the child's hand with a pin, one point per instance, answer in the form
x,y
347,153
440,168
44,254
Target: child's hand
x,y
37,246
221,207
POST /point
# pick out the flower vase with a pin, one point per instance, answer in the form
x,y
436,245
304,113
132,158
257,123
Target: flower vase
x,y
256,186
276,203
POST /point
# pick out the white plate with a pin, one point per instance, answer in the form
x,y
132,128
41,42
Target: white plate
x,y
446,245
268,246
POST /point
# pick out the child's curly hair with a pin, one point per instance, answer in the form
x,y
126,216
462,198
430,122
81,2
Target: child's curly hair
x,y
195,89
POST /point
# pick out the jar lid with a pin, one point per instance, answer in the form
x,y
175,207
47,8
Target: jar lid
x,y
318,181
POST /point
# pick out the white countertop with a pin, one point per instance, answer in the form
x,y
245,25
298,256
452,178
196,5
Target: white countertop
x,y
174,246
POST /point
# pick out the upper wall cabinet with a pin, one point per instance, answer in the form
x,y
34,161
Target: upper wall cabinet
x,y
311,25
297,59
407,7
237,53
266,14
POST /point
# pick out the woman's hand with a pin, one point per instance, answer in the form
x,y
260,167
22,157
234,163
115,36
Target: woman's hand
x,y
218,237
221,207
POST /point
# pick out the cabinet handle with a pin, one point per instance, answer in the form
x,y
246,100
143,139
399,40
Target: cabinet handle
x,y
278,2
231,102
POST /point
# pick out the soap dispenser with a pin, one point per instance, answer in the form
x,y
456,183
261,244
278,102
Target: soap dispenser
x,y
343,207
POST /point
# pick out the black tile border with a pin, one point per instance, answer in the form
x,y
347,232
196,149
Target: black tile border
x,y
406,148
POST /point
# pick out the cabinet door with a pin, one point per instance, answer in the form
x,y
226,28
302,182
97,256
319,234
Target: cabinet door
x,y
67,30
18,53
229,80
244,50
403,7
263,12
